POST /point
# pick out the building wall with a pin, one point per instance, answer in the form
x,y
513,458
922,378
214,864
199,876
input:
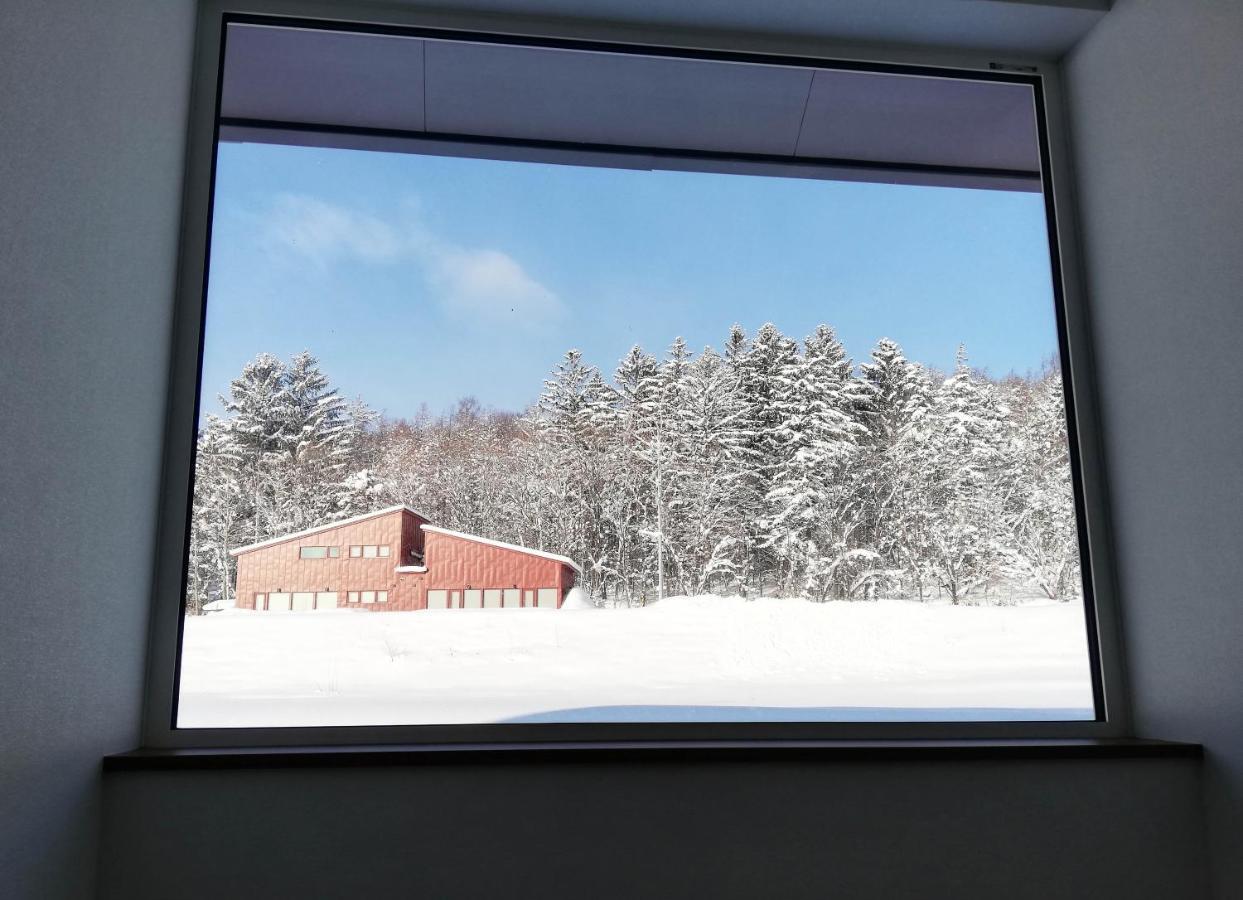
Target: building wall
x,y
93,111
1157,120
93,103
1019,830
454,563
279,566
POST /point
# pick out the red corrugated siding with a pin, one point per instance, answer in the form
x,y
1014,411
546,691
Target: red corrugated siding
x,y
453,563
279,568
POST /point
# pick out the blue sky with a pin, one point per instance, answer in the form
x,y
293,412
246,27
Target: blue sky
x,y
419,279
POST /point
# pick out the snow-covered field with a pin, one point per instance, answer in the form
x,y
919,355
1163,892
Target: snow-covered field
x,y
683,659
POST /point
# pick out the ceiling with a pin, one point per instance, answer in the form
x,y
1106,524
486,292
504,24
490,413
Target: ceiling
x,y
349,89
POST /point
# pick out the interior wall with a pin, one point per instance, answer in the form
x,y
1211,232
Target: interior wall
x,y
1156,99
92,116
93,101
1023,830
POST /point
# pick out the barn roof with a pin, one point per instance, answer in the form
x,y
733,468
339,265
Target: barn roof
x,y
483,540
337,524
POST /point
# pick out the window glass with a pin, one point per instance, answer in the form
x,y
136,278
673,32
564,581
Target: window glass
x,y
805,416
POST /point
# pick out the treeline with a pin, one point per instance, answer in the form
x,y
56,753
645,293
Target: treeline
x,y
767,467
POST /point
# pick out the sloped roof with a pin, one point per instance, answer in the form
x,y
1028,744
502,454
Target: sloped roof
x,y
502,545
327,525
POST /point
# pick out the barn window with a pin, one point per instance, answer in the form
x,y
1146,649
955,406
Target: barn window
x,y
795,381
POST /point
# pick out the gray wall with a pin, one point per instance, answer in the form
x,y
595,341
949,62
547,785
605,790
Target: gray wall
x,y
1020,830
92,112
1157,111
92,109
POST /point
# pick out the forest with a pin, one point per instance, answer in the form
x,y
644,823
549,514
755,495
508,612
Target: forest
x,y
766,467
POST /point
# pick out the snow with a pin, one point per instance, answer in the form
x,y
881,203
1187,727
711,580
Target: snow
x,y
703,658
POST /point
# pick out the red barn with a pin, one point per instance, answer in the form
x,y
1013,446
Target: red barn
x,y
394,559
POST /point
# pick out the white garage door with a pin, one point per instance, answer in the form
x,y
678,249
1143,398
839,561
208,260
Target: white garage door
x,y
548,598
326,600
513,598
492,598
278,602
303,601
473,599
437,599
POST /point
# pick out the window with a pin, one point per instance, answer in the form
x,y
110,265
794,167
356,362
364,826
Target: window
x,y
774,367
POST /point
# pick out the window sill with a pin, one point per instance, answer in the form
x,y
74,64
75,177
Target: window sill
x,y
646,751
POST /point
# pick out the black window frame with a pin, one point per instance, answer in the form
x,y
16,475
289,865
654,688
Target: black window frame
x,y
1075,343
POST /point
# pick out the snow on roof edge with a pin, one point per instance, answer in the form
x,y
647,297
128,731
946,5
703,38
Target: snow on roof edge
x,y
504,546
337,524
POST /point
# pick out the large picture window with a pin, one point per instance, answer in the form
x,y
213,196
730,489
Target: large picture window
x,y
641,387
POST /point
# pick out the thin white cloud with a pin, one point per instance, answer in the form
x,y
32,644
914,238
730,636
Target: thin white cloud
x,y
473,282
490,283
325,233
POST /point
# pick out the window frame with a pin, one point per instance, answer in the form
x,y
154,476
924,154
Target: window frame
x,y
1073,322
